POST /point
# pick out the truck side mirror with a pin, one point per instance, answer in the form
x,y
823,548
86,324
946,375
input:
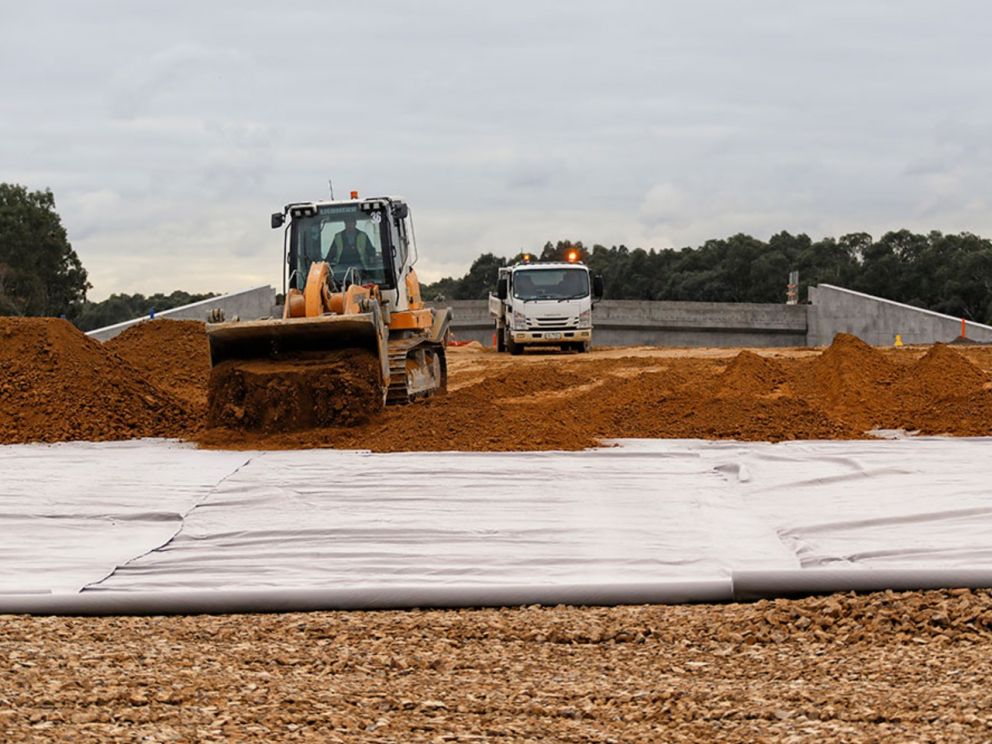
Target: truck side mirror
x,y
597,286
400,210
278,218
502,288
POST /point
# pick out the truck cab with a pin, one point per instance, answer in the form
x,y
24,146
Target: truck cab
x,y
544,304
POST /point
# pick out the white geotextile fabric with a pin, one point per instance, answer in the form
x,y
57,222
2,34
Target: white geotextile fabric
x,y
156,515
71,512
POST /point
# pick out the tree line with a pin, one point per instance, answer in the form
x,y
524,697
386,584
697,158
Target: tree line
x,y
40,273
947,273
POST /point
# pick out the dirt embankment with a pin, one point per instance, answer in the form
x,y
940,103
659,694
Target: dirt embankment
x,y
576,402
57,385
152,380
172,354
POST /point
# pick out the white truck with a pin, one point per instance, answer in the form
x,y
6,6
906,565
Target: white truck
x,y
544,304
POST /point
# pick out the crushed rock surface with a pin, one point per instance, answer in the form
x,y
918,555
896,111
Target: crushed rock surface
x,y
880,667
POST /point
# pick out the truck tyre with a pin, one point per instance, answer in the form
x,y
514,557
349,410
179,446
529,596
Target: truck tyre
x,y
582,347
513,347
500,340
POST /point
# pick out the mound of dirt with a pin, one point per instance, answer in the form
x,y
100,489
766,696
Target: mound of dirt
x,y
749,400
515,382
749,374
58,385
945,393
851,381
173,354
941,373
342,388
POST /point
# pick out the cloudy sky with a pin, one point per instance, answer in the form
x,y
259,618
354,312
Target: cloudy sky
x,y
169,131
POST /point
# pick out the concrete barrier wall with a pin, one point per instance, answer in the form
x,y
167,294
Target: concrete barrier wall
x,y
248,304
634,322
877,321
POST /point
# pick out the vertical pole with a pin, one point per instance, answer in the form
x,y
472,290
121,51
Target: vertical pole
x,y
964,329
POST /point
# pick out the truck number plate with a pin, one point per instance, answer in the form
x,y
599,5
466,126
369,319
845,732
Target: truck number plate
x,y
553,335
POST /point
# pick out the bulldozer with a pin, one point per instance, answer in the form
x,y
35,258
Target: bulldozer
x,y
354,332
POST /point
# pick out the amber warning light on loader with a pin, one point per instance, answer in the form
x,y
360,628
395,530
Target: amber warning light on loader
x,y
573,256
354,194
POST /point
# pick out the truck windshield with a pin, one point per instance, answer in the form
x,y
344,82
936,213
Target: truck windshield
x,y
347,239
551,284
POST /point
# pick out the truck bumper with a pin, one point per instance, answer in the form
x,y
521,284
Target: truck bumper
x,y
551,338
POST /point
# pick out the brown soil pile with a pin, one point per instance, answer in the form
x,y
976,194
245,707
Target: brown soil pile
x,y
749,400
569,403
881,667
515,383
941,373
945,393
456,421
341,388
173,354
750,374
850,380
58,385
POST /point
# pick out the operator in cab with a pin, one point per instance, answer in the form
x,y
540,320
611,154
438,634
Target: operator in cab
x,y
350,248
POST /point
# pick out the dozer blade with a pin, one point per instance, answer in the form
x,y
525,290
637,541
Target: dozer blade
x,y
297,373
273,339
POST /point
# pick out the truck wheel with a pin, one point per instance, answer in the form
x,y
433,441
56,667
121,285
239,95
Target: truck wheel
x,y
513,347
582,347
500,340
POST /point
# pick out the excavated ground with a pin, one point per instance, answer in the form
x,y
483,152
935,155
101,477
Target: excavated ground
x,y
56,384
338,388
882,667
569,402
172,353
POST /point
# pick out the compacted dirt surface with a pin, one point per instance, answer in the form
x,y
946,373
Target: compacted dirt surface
x,y
881,667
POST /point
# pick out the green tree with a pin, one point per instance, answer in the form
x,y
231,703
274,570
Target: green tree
x,y
40,273
120,307
948,273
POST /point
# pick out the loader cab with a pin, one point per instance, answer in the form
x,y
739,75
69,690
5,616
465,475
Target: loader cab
x,y
363,241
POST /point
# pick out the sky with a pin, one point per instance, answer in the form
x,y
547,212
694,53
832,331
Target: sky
x,y
169,131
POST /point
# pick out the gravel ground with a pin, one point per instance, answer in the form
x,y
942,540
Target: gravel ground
x,y
895,667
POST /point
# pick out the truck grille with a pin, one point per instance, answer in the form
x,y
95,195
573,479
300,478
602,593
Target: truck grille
x,y
553,322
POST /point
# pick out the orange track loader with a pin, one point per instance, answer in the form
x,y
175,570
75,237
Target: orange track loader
x,y
352,296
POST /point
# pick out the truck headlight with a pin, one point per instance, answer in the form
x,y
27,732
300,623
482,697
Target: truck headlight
x,y
519,320
585,319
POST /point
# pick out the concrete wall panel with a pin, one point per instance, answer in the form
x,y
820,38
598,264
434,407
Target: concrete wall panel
x,y
878,321
248,304
643,323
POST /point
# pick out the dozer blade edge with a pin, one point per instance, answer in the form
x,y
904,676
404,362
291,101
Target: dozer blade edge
x,y
277,338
